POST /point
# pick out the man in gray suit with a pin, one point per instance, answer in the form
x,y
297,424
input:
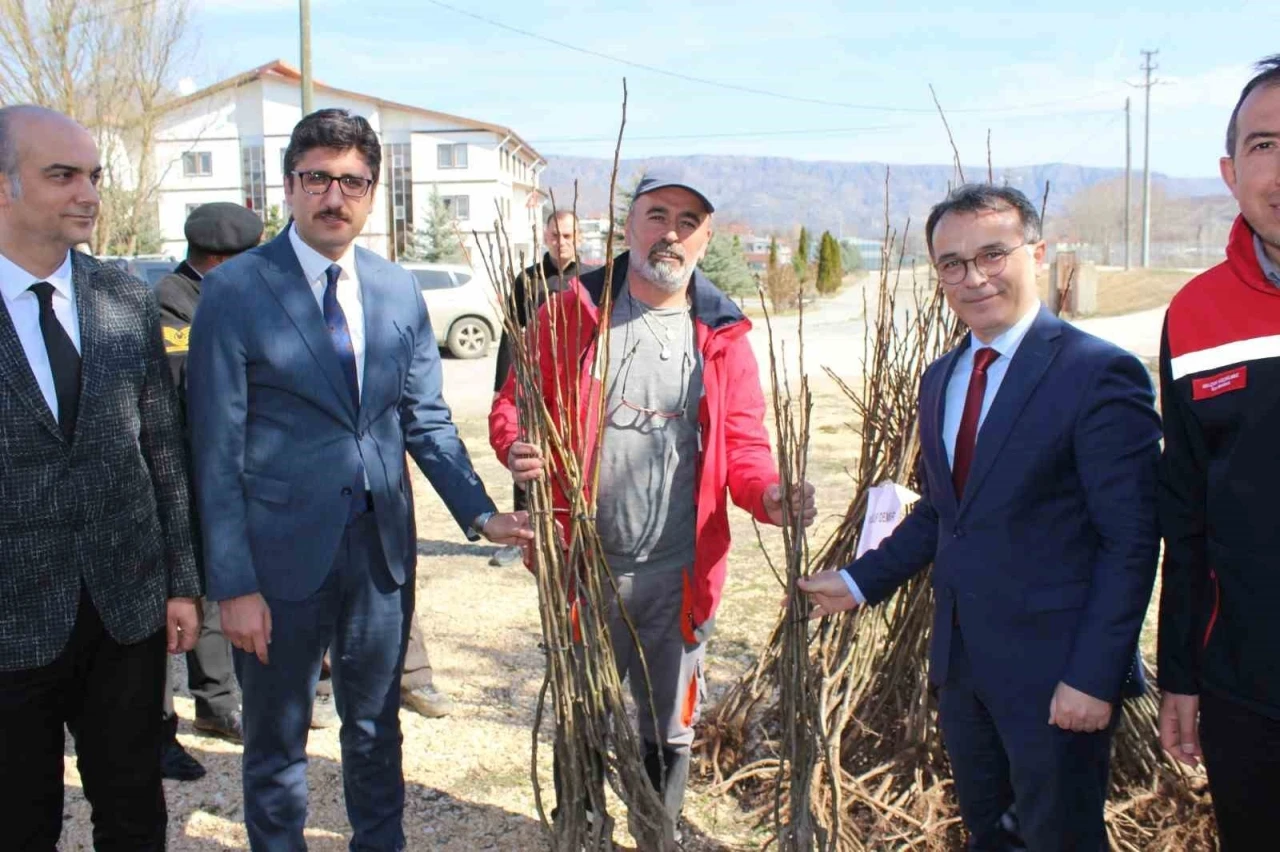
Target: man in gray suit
x,y
312,371
97,573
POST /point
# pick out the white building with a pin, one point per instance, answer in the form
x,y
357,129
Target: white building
x,y
227,142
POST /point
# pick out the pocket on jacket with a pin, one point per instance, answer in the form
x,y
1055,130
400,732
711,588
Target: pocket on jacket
x,y
265,489
1053,598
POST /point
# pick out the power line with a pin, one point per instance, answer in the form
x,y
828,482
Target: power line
x,y
748,134
720,84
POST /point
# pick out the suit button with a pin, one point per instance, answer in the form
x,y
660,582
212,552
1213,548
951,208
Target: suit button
x,y
346,492
957,533
360,436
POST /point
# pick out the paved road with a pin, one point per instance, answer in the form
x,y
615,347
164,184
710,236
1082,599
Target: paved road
x,y
834,331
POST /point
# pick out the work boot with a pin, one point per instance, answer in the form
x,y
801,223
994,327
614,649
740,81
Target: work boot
x,y
225,726
426,701
177,765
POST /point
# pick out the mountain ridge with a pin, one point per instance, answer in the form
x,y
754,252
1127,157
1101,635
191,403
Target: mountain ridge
x,y
778,194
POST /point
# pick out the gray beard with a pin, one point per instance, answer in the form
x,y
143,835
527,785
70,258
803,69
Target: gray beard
x,y
664,276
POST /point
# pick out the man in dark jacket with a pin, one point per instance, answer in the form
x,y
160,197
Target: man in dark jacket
x,y
214,233
559,268
1219,646
98,576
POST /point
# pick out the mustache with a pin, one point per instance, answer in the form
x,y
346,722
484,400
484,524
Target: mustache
x,y
665,247
333,211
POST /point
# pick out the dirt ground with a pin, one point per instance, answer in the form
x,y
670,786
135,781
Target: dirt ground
x,y
468,775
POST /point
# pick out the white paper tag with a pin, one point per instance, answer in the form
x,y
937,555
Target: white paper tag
x,y
887,504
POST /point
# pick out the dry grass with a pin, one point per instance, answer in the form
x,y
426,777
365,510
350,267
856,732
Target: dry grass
x,y
1129,291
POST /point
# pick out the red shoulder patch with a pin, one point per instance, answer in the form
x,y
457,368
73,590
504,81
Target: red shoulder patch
x,y
1224,382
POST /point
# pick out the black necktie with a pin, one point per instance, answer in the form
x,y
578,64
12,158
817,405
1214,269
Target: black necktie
x,y
64,360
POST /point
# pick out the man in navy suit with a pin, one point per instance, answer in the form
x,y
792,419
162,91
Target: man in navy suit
x,y
1040,449
312,371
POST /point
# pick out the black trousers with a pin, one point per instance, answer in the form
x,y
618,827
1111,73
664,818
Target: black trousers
x,y
108,695
1242,753
211,677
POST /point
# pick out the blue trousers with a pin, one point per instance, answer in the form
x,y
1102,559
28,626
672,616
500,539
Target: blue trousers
x,y
1006,753
364,617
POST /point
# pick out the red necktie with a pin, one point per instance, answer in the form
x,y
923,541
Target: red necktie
x,y
967,437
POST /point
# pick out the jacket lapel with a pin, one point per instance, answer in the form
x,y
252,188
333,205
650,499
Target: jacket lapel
x,y
935,410
287,282
16,370
92,313
380,337
1030,362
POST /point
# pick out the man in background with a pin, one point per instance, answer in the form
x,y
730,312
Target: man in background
x,y
559,268
215,232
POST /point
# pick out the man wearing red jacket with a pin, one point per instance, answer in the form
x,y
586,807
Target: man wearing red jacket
x,y
683,433
1219,646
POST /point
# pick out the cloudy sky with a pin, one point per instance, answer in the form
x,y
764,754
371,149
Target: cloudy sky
x,y
811,79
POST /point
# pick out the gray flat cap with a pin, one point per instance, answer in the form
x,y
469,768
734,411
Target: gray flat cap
x,y
222,227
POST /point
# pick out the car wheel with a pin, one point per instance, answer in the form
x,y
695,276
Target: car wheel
x,y
469,337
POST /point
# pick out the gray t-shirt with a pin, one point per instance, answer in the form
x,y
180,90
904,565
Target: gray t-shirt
x,y
646,508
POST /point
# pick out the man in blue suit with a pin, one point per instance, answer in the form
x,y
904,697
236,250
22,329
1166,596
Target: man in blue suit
x,y
1040,447
312,371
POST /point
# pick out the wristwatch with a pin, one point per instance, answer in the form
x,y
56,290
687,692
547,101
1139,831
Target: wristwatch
x,y
476,530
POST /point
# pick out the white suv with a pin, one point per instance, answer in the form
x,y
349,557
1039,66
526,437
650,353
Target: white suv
x,y
462,305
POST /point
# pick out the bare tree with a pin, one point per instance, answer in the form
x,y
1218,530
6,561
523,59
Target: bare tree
x,y
108,65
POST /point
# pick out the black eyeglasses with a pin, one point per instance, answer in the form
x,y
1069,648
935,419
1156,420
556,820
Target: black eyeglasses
x,y
317,183
990,262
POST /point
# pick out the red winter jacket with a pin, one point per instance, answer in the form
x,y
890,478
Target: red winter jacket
x,y
1220,384
735,453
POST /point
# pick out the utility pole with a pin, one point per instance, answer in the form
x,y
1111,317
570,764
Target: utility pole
x,y
1147,67
304,34
1128,181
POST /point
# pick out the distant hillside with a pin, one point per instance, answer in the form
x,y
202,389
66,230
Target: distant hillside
x,y
776,193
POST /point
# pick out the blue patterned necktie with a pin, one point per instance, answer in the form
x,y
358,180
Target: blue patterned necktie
x,y
340,334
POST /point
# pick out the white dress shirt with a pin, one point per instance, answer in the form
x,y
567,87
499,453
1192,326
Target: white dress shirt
x,y
958,388
24,310
314,267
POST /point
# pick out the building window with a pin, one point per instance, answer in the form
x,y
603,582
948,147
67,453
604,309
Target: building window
x,y
452,156
197,164
459,206
398,156
253,178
